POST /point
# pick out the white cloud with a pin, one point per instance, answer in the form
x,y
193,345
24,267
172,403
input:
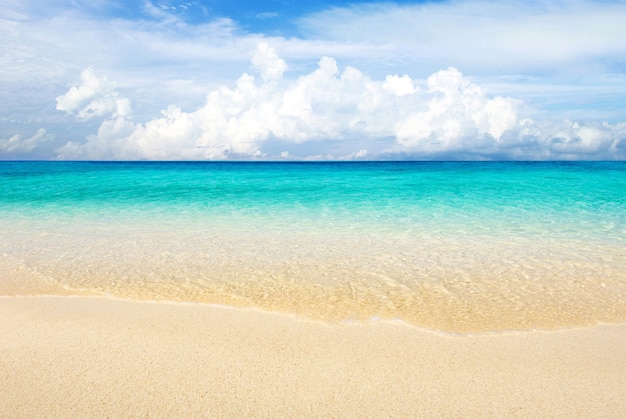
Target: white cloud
x,y
358,155
399,86
446,116
564,60
267,62
574,140
484,36
95,97
457,110
17,144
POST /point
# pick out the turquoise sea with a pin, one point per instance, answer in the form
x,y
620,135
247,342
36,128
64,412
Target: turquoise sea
x,y
451,246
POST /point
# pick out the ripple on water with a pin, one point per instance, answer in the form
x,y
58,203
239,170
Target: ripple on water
x,y
454,247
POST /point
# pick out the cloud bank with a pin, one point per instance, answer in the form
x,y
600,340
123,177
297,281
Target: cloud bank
x,y
539,78
342,113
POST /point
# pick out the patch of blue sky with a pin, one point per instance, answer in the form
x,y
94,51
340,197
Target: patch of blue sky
x,y
270,17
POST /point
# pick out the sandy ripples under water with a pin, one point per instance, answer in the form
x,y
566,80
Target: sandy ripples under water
x,y
456,247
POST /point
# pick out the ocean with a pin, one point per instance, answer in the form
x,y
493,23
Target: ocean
x,y
450,246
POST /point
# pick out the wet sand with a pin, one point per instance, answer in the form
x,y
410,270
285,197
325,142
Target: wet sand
x,y
85,356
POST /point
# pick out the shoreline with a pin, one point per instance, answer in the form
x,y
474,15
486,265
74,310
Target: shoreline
x,y
484,310
100,356
349,322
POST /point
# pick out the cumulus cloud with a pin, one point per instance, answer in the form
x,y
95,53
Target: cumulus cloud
x,y
457,111
565,59
94,97
573,140
400,86
18,144
267,62
448,115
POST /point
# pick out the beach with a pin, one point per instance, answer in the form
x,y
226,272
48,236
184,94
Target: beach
x,y
85,356
392,289
321,209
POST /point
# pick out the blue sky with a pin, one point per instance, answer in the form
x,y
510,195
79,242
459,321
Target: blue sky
x,y
283,80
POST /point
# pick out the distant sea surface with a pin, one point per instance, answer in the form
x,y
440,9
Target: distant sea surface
x,y
451,246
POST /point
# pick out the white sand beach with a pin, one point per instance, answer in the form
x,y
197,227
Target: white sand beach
x,y
85,356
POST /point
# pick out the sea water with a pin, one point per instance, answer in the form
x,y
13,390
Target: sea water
x,y
452,246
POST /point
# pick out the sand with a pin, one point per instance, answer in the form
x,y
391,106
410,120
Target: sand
x,y
86,356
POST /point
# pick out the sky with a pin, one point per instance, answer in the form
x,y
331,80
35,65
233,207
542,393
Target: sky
x,y
315,80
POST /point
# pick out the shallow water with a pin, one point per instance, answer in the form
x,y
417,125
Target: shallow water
x,y
450,246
